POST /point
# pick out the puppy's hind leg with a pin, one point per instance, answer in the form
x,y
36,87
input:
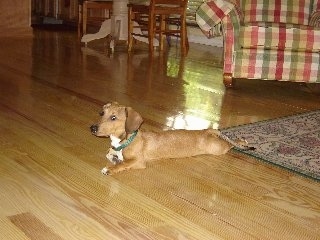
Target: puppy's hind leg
x,y
239,143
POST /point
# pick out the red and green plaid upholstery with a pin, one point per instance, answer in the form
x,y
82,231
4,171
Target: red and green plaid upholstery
x,y
280,37
277,11
269,39
212,12
276,65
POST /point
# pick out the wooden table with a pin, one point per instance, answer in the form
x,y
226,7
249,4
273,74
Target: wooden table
x,y
83,13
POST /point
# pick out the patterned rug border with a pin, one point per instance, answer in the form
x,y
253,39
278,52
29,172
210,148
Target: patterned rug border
x,y
256,156
287,169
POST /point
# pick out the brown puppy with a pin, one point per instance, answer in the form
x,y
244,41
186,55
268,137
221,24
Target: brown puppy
x,y
132,149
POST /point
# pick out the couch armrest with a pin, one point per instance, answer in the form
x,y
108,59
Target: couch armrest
x,y
219,12
211,13
315,19
231,28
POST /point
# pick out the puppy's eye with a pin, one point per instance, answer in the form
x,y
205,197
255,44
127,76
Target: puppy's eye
x,y
101,113
113,117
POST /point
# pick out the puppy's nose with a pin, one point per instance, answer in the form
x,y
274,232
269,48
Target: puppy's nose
x,y
94,129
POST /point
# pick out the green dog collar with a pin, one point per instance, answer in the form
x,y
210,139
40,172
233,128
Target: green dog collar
x,y
124,145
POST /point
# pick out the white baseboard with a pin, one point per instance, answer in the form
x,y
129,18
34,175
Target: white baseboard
x,y
196,36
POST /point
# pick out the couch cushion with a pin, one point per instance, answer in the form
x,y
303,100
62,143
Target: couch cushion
x,y
277,65
280,36
277,11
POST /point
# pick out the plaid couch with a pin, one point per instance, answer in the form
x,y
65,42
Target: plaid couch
x,y
271,40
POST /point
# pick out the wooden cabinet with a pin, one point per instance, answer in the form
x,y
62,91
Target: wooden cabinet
x,y
54,11
62,11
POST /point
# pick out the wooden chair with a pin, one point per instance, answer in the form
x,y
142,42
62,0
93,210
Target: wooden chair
x,y
158,19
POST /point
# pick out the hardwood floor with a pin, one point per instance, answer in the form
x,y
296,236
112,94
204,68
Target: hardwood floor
x,y
51,90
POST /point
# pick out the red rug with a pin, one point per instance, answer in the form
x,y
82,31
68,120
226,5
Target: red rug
x,y
291,142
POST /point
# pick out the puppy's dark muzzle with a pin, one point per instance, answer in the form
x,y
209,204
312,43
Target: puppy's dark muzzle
x,y
94,129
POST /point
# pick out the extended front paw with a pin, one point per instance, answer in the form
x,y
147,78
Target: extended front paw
x,y
105,171
108,171
111,170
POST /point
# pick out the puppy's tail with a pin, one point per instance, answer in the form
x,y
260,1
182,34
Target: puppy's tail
x,y
241,144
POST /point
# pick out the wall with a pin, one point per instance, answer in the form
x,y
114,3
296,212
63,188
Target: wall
x,y
15,17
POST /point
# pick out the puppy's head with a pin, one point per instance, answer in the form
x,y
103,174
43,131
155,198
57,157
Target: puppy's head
x,y
116,120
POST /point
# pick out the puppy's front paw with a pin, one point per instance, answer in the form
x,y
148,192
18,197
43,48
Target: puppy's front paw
x,y
105,171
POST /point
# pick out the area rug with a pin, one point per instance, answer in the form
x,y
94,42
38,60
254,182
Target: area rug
x,y
291,142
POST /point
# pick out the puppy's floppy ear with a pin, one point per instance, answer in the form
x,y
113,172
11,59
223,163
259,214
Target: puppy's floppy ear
x,y
133,121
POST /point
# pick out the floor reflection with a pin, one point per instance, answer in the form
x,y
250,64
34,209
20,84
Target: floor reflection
x,y
203,93
191,88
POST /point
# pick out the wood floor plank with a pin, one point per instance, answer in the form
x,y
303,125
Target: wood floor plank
x,y
33,227
9,231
